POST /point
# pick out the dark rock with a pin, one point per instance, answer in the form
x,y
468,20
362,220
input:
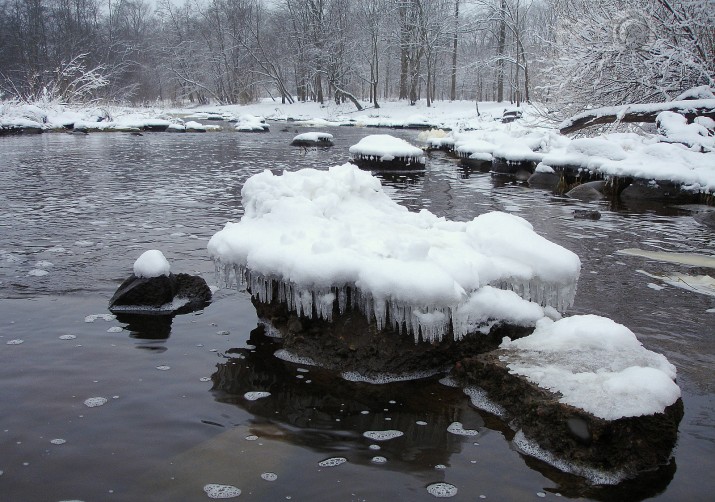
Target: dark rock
x,y
320,143
511,116
157,294
642,189
593,190
397,164
627,445
544,180
504,167
350,343
586,214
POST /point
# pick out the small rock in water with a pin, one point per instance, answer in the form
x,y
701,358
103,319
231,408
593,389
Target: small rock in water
x,y
215,491
586,214
442,490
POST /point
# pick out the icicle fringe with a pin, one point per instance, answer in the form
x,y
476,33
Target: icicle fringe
x,y
428,322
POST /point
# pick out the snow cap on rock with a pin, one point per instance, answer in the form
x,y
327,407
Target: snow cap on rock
x,y
151,263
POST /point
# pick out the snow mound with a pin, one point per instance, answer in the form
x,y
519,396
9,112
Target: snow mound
x,y
151,263
315,237
251,123
384,147
595,364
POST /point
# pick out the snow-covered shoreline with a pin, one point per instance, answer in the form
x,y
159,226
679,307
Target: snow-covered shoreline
x,y
677,152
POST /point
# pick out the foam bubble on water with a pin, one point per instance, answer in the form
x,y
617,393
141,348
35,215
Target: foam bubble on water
x,y
595,476
104,317
252,396
224,332
302,370
84,244
115,329
421,422
215,491
378,460
458,429
374,447
205,379
16,341
332,462
481,401
383,435
269,476
293,358
68,337
384,378
448,381
540,494
440,467
442,490
58,441
37,272
93,402
251,438
163,368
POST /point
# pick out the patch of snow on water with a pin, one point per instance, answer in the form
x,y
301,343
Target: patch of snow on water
x,y
378,460
442,490
68,337
269,476
255,395
104,317
385,378
459,430
58,441
16,341
332,462
216,491
383,435
481,401
293,358
93,402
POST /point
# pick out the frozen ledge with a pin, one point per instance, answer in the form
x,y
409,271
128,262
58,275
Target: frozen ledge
x,y
315,240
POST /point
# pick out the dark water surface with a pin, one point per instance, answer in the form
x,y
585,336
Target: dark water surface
x,y
76,212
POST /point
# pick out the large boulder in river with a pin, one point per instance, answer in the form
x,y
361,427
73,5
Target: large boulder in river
x,y
153,289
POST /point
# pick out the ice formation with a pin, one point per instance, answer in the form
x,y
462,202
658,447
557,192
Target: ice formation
x,y
311,238
595,364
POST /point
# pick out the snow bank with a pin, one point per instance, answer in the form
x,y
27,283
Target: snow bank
x,y
151,263
596,364
385,147
251,123
318,234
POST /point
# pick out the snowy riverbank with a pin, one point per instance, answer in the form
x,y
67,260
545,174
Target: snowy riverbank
x,y
676,152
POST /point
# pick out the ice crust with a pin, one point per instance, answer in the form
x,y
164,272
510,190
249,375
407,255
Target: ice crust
x,y
310,238
595,364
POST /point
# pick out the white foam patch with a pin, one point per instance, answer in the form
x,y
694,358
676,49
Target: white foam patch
x,y
448,381
654,286
58,441
68,337
215,491
115,329
595,476
440,467
269,476
251,438
459,430
480,400
16,341
293,358
421,422
383,435
378,460
384,378
93,402
163,367
442,490
332,462
253,396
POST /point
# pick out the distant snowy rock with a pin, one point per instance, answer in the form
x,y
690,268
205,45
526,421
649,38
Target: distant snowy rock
x,y
313,139
251,123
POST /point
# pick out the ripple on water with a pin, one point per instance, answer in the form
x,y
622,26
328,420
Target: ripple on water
x,y
442,490
216,491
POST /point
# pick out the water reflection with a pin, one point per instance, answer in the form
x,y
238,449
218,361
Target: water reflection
x,y
147,326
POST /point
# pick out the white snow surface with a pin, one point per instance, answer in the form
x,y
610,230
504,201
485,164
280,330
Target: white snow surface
x,y
314,136
151,263
385,147
317,233
596,364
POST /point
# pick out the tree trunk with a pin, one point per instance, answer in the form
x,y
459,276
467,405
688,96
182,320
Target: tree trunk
x,y
453,89
500,51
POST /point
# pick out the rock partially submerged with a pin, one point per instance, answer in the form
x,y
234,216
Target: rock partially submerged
x,y
153,289
586,392
313,139
385,152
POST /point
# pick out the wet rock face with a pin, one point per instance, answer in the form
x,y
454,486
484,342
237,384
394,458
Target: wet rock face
x,y
350,343
592,190
628,445
175,293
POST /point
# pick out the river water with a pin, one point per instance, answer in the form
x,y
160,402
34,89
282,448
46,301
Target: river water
x,y
76,211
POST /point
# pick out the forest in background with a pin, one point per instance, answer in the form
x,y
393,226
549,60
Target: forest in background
x,y
565,54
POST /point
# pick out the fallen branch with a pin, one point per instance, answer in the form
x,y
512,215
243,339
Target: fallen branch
x,y
645,112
